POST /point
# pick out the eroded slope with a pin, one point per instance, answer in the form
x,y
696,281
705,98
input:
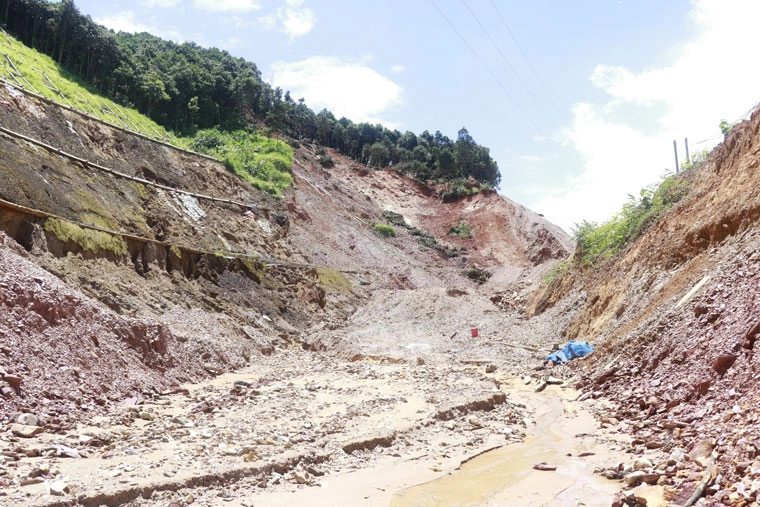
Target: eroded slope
x,y
675,318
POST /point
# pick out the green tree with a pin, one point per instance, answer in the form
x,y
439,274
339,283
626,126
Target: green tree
x,y
464,153
726,127
154,91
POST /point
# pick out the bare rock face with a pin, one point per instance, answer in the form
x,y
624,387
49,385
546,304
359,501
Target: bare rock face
x,y
101,355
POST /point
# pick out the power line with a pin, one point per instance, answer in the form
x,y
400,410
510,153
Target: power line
x,y
501,85
506,61
721,136
543,85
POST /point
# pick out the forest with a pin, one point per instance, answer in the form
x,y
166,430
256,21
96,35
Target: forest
x,y
187,88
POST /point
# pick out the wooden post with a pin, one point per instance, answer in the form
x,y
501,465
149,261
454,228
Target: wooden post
x,y
675,152
686,144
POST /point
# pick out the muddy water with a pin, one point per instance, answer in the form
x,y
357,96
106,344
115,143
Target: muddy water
x,y
506,476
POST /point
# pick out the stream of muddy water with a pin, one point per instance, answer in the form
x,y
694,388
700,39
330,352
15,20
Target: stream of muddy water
x,y
561,437
564,435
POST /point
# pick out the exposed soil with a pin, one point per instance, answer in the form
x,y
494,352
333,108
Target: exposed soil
x,y
158,347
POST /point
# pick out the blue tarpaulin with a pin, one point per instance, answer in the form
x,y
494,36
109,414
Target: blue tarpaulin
x,y
573,349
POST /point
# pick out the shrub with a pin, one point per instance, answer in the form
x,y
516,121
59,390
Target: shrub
x,y
262,162
386,231
696,160
478,274
599,242
461,229
460,187
395,218
725,127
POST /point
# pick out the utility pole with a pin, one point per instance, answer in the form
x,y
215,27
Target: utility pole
x,y
675,152
686,144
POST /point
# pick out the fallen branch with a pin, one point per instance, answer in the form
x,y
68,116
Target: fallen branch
x,y
707,478
526,347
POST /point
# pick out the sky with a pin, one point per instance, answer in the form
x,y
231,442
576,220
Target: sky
x,y
579,102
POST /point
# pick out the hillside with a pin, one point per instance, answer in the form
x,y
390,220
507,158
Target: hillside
x,y
131,267
676,317
170,335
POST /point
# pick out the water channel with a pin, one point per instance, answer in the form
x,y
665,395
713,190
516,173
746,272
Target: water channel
x,y
561,438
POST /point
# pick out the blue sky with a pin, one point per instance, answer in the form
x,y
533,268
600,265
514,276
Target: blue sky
x,y
586,119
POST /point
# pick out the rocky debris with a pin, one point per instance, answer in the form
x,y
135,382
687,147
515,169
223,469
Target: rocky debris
x,y
28,420
25,431
82,356
58,488
294,419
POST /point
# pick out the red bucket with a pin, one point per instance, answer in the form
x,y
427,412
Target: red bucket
x,y
474,332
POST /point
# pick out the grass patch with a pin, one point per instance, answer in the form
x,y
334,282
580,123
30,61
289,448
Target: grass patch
x,y
263,162
385,231
42,75
461,229
87,239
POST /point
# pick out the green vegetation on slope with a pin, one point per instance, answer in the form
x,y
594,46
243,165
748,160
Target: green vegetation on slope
x,y
87,239
600,242
259,160
424,238
461,229
185,87
38,73
385,231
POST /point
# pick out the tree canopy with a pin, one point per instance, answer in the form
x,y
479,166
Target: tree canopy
x,y
187,88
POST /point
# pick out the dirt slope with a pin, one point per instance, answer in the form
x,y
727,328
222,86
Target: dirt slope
x,y
128,267
676,317
128,223
120,279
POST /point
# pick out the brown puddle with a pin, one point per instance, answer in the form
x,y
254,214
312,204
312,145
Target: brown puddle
x,y
505,476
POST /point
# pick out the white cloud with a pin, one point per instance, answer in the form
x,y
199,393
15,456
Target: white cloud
x,y
122,21
296,20
269,22
231,43
239,22
397,69
711,77
346,88
127,21
163,4
227,5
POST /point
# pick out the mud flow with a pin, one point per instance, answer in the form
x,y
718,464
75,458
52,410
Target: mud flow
x,y
561,440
